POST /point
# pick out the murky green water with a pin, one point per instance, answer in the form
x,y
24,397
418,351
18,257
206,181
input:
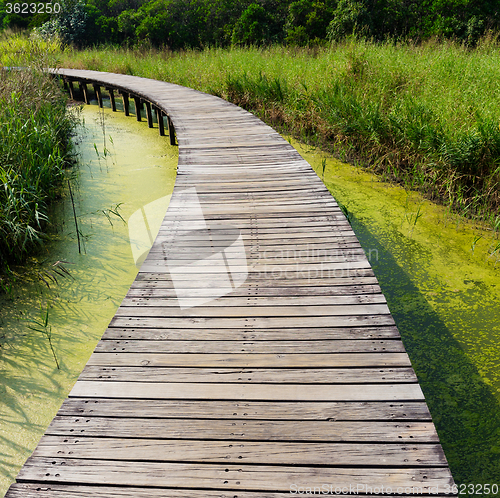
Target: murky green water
x,y
137,169
441,277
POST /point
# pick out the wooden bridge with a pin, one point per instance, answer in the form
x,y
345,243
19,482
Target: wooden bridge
x,y
254,355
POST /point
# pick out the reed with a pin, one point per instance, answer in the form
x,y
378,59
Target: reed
x,y
35,150
43,326
424,115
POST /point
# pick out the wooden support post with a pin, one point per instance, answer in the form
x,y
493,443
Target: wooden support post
x,y
112,98
149,114
159,118
171,130
125,103
98,94
65,83
69,84
83,89
138,106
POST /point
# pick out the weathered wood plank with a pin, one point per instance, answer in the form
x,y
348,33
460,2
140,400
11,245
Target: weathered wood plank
x,y
46,490
248,391
264,301
27,490
205,334
254,311
251,430
255,322
246,452
326,284
220,409
140,291
229,476
242,360
251,346
261,375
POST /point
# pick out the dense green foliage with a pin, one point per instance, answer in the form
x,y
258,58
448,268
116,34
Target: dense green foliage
x,y
199,23
34,151
424,115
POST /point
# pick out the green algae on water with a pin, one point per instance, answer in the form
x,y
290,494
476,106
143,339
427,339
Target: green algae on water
x,y
124,166
441,279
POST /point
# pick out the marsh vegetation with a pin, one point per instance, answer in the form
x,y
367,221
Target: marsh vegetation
x,y
425,115
35,150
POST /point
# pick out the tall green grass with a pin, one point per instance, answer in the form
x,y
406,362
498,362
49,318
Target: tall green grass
x,y
35,149
425,115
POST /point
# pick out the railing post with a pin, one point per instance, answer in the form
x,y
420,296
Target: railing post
x,y
159,118
149,114
69,86
138,106
97,90
83,89
112,98
171,130
125,103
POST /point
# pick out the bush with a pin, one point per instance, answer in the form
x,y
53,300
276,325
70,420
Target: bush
x,y
351,17
34,151
253,27
70,25
307,22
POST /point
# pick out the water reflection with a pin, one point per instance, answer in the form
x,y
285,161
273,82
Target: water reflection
x,y
124,166
441,285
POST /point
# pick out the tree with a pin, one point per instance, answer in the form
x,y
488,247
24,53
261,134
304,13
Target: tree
x,y
70,24
307,21
351,17
253,27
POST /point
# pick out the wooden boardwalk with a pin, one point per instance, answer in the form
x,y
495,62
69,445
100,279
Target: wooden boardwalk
x,y
254,356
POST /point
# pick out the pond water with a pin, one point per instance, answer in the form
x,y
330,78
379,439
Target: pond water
x,y
441,277
124,167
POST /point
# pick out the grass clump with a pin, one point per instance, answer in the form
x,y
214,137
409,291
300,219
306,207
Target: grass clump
x,y
425,115
35,128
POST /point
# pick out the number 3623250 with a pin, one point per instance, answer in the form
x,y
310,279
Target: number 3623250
x,y
33,8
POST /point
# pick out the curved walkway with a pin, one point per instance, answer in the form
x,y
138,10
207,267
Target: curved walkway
x,y
254,356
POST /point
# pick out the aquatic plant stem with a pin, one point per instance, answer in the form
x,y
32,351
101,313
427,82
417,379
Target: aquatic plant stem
x,y
74,215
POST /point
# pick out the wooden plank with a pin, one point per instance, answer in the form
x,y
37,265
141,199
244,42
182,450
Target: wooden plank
x,y
242,360
208,334
264,301
220,409
261,375
255,311
246,430
326,284
139,291
246,452
229,476
248,391
28,490
251,346
254,322
46,490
